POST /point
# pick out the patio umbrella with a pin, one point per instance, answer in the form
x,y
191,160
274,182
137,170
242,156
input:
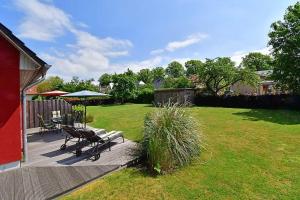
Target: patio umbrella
x,y
54,93
85,94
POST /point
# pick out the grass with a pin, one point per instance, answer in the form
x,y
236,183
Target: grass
x,y
251,154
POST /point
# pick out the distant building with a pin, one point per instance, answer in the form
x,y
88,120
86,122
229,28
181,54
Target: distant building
x,y
265,86
158,83
31,92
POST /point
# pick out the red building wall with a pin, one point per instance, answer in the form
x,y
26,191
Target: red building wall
x,y
10,103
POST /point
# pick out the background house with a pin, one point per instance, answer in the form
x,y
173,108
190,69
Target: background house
x,y
265,86
20,69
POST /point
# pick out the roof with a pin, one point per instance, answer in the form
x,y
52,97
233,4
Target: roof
x,y
264,72
32,90
8,33
172,89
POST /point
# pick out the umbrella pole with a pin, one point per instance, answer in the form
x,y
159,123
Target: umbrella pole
x,y
85,113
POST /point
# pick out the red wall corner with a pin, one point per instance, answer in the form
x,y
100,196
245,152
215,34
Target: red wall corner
x,y
10,103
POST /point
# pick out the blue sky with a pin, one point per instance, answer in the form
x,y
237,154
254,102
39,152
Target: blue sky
x,y
89,38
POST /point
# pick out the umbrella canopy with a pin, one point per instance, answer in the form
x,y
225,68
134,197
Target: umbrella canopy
x,y
84,94
54,93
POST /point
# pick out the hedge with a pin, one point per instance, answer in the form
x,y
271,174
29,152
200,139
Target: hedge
x,y
283,101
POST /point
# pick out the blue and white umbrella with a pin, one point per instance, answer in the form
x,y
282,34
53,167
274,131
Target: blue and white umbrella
x,y
84,94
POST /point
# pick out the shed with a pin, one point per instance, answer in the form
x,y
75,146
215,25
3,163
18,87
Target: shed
x,y
20,69
182,96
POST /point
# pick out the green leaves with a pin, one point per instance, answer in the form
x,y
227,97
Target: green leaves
x,y
175,69
124,87
220,73
257,61
285,41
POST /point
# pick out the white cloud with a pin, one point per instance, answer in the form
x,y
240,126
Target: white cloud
x,y
157,51
237,56
87,57
175,45
190,40
42,21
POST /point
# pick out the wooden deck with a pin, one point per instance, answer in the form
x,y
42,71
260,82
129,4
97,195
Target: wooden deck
x,y
44,151
30,183
51,172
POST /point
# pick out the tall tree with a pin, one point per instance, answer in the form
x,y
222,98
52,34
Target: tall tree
x,y
124,87
285,42
158,73
257,61
50,84
145,75
193,67
175,69
220,73
76,85
105,79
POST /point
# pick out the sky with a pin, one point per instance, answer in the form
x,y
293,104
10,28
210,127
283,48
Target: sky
x,y
88,38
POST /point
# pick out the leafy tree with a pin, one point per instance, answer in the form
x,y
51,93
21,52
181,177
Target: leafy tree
x,y
130,73
76,85
257,61
50,84
124,87
105,79
220,73
175,69
285,41
193,67
181,82
158,73
145,75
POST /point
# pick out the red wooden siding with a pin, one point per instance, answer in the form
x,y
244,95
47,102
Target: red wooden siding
x,y
10,116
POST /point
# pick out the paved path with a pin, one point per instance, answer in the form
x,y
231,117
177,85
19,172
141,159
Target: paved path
x,y
30,183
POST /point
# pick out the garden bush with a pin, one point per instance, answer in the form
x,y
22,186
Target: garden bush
x,y
144,95
171,139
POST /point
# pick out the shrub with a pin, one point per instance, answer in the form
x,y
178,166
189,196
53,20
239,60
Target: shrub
x,y
171,139
144,95
89,118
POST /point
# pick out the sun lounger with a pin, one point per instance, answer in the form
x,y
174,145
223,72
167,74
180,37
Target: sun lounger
x,y
45,126
71,133
97,141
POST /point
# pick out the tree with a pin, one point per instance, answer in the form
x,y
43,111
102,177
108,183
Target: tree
x,y
220,73
105,79
130,73
181,82
285,41
175,69
76,85
145,75
158,73
257,61
124,87
50,84
193,67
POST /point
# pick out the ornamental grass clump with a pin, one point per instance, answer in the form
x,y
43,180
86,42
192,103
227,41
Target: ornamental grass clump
x,y
171,139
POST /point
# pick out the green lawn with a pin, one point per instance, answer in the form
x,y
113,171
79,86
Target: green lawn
x,y
250,154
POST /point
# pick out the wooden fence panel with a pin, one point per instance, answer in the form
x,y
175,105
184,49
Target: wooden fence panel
x,y
45,108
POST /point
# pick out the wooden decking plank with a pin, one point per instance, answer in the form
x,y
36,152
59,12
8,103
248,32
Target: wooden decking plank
x,y
36,185
67,177
18,184
27,185
6,189
48,181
